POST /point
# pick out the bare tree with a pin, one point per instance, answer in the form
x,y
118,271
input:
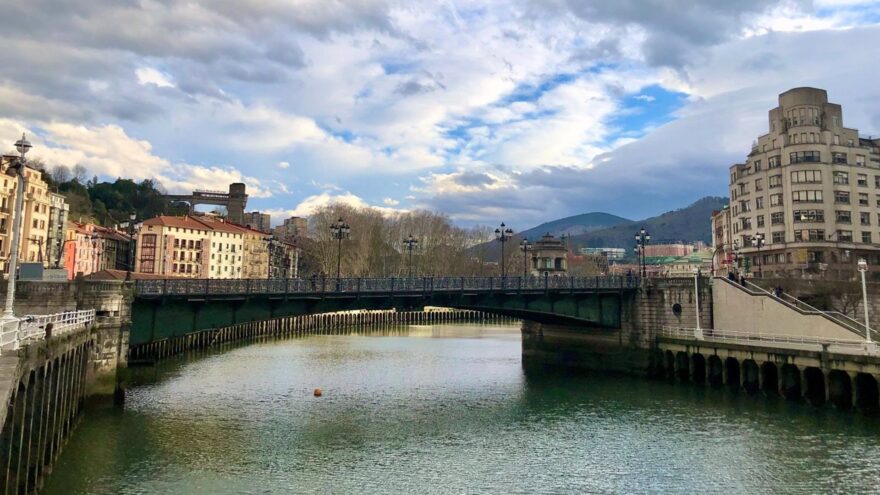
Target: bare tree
x,y
61,174
80,173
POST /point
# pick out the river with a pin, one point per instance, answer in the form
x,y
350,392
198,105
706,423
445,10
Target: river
x,y
447,409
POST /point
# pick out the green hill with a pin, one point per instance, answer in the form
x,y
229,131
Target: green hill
x,y
575,225
688,224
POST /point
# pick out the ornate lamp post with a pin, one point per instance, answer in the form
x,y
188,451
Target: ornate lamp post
x,y
642,239
525,247
339,230
758,242
410,242
503,234
131,218
863,267
23,146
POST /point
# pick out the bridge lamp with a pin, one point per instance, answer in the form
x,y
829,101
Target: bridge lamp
x,y
339,230
22,146
131,218
503,234
525,247
642,239
863,268
758,242
410,242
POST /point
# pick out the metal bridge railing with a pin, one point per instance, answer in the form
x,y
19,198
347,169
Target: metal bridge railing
x,y
709,334
34,327
420,285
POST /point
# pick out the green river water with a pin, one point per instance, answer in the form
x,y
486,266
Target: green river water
x,y
448,409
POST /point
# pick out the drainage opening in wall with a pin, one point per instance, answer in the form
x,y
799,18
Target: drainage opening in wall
x,y
676,309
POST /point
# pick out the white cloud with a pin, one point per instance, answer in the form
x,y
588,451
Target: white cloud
x,y
283,165
148,75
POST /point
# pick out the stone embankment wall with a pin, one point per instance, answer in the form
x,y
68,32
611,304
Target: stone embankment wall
x,y
295,325
45,383
659,303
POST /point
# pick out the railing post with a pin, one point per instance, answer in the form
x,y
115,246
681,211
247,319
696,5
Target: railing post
x,y
546,282
206,287
491,284
165,287
462,284
392,285
359,286
286,285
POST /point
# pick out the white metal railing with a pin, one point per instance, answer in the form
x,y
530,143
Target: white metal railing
x,y
841,319
711,334
35,327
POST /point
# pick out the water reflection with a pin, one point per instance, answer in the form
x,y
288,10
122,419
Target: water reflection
x,y
447,408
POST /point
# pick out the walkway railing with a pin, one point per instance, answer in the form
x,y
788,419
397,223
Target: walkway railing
x,y
841,319
417,285
709,334
34,327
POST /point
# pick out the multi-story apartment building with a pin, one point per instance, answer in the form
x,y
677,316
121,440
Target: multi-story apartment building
x,y
35,222
190,247
58,211
258,221
291,228
722,242
676,249
40,237
81,249
807,200
255,260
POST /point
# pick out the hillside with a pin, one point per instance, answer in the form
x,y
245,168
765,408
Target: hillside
x,y
687,224
575,225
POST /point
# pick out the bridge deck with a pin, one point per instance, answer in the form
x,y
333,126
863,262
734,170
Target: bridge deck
x,y
353,286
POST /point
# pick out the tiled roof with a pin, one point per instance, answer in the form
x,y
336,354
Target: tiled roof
x,y
185,222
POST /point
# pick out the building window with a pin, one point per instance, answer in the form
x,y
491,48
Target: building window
x,y
864,218
844,235
863,199
866,237
809,216
860,160
775,181
760,220
806,235
777,218
843,217
804,157
774,161
758,164
837,157
862,180
804,197
841,197
759,203
841,178
759,184
778,237
806,177
815,256
776,199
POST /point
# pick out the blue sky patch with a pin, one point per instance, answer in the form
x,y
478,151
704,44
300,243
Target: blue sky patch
x,y
651,107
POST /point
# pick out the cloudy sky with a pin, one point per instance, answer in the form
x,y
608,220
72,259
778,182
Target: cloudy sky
x,y
488,110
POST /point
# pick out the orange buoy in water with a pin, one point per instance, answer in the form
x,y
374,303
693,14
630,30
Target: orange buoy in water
x,y
318,392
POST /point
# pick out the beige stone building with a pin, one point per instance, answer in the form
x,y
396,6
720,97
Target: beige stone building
x,y
810,188
37,208
190,247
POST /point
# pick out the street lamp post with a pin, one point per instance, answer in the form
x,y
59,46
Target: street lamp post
x,y
339,230
503,234
525,247
642,240
23,146
131,217
863,267
410,242
758,242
